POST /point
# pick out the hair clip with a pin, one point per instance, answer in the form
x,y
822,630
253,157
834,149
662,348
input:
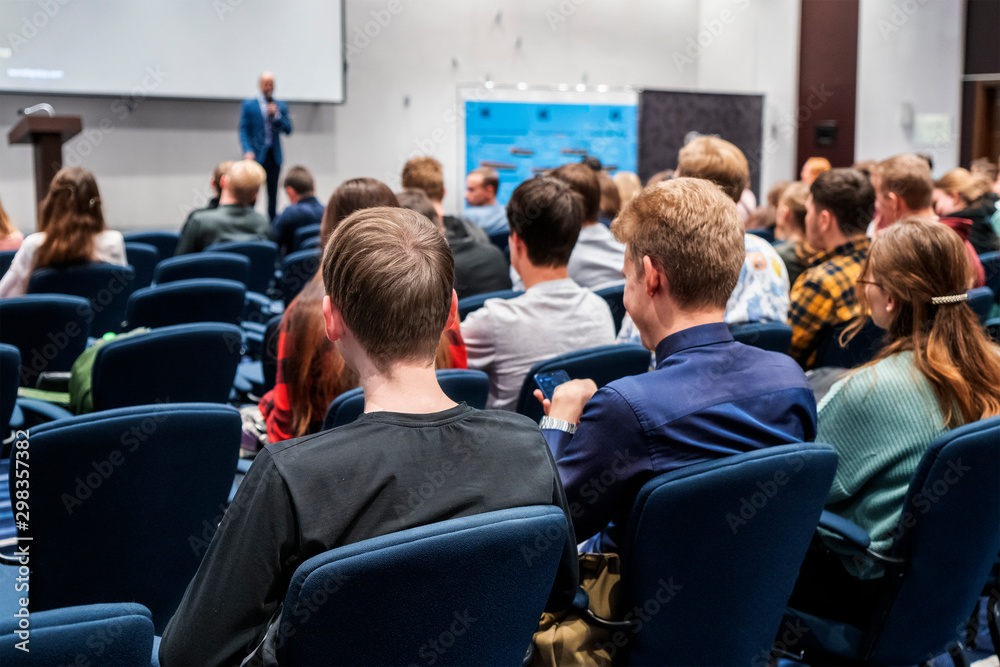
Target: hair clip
x,y
951,298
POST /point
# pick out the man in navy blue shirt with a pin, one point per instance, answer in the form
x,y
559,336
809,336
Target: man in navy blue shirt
x,y
304,209
709,396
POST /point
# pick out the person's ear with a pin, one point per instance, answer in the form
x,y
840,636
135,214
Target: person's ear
x,y
453,311
224,181
290,191
654,279
894,203
890,303
516,244
826,221
333,322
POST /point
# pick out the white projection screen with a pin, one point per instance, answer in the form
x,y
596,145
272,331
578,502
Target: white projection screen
x,y
200,49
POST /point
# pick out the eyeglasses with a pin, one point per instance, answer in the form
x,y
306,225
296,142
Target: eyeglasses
x,y
869,282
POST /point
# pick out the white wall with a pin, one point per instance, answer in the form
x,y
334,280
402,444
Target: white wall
x,y
153,163
909,58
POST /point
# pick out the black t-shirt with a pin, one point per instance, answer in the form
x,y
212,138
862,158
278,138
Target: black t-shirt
x,y
383,473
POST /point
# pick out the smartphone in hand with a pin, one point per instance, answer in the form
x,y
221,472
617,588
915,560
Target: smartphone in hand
x,y
548,382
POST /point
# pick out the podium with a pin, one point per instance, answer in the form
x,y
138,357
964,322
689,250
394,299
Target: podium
x,y
47,134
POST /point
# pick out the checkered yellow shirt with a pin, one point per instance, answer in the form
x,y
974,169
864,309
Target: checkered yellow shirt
x,y
823,297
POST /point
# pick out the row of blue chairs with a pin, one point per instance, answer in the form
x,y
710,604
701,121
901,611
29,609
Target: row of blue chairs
x,y
683,566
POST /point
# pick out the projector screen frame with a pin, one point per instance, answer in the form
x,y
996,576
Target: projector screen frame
x,y
134,98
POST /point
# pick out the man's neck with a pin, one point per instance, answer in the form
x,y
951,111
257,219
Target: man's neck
x,y
679,320
589,224
407,387
227,198
532,275
922,213
439,209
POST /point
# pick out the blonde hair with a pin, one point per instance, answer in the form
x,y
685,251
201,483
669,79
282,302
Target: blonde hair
x,y
628,184
914,261
425,173
908,177
965,184
390,273
794,197
690,228
71,216
244,179
715,160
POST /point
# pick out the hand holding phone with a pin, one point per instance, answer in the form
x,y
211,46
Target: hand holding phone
x,y
548,382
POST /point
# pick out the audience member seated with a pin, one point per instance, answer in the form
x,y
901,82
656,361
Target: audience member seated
x,y
790,227
708,398
388,278
838,210
304,209
71,230
480,266
937,371
812,168
350,196
611,200
234,219
10,236
506,337
311,373
766,217
481,201
903,187
761,293
628,184
216,184
960,194
596,260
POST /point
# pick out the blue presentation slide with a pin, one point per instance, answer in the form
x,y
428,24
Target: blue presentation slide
x,y
520,139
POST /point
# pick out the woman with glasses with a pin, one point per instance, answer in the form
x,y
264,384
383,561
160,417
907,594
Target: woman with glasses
x,y
936,371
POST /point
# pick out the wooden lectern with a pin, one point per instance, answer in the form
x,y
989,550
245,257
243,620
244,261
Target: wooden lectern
x,y
47,134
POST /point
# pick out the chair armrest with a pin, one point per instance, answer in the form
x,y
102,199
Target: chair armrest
x,y
848,531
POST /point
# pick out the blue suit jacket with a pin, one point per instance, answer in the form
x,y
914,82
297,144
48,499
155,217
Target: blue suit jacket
x,y
252,129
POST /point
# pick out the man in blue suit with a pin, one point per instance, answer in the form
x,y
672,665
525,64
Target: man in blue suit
x,y
262,120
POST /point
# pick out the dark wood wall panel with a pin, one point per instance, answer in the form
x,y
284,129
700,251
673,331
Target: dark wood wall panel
x,y
828,80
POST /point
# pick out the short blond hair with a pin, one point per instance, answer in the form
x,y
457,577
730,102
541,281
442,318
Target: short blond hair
x,y
690,228
716,160
390,273
245,178
425,173
909,178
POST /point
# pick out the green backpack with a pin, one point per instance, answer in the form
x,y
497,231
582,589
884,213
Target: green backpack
x,y
81,375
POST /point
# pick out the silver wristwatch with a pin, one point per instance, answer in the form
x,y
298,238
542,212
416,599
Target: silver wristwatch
x,y
558,424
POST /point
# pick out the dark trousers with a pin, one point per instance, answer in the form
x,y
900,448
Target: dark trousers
x,y
273,170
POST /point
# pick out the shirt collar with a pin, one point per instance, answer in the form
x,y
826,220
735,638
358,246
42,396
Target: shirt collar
x,y
852,247
703,334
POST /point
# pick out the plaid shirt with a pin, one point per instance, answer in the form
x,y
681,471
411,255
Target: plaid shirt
x,y
823,297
